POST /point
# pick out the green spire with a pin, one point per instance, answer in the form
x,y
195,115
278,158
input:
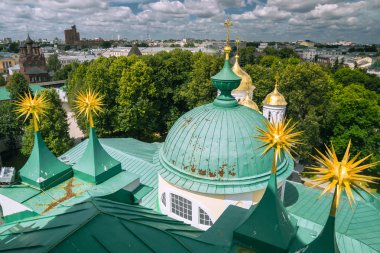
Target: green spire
x,y
43,170
326,240
268,227
96,165
226,81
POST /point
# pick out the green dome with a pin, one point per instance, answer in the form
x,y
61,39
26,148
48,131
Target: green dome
x,y
212,149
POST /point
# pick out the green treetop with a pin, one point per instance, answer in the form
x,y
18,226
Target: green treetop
x,y
17,85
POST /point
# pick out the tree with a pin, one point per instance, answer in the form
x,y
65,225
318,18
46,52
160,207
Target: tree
x,y
17,85
106,44
199,90
136,111
308,88
170,72
53,126
286,52
63,73
347,76
269,61
10,125
53,62
356,117
2,81
247,55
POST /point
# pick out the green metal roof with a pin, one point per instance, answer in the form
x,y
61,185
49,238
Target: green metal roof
x,y
100,222
213,149
357,228
99,225
43,170
326,240
4,94
135,161
45,201
268,226
96,165
36,71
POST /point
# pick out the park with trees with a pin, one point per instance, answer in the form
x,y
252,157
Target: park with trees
x,y
145,95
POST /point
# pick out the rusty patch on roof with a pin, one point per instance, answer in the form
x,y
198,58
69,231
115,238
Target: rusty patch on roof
x,y
68,188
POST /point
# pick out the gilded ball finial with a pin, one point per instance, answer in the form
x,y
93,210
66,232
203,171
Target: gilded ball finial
x,y
237,45
280,136
341,175
89,102
28,105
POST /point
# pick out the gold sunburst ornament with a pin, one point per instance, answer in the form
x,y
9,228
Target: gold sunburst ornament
x,y
341,175
281,137
32,105
89,102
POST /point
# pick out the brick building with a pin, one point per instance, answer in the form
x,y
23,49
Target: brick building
x,y
72,37
32,62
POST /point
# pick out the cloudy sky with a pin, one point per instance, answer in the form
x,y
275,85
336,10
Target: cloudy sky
x,y
266,20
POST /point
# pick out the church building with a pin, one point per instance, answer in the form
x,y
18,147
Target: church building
x,y
219,183
32,62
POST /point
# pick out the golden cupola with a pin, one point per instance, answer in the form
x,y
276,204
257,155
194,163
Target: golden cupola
x,y
275,97
248,102
246,81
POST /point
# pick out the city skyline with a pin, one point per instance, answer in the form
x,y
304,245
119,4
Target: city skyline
x,y
272,20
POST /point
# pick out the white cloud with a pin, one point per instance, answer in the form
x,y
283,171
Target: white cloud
x,y
253,19
331,11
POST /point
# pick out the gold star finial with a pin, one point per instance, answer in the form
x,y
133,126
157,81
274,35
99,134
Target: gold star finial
x,y
28,105
280,136
341,175
227,48
89,102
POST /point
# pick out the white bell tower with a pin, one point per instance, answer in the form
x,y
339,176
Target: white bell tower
x,y
274,105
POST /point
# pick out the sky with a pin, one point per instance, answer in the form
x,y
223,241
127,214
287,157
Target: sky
x,y
258,20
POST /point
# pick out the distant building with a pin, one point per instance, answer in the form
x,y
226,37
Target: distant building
x,y
72,37
262,46
6,62
305,43
32,62
134,50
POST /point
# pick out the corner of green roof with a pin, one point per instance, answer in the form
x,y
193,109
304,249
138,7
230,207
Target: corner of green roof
x,y
268,226
226,81
20,216
96,165
43,170
326,240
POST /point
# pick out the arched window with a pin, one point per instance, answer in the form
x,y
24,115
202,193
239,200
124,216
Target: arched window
x,y
181,207
204,219
163,198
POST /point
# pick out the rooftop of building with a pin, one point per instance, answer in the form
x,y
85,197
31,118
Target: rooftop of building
x,y
5,95
114,226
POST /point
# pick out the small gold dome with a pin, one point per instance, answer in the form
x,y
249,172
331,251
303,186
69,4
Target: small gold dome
x,y
275,98
248,102
246,80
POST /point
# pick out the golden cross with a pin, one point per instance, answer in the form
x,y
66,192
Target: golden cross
x,y
228,25
277,78
237,43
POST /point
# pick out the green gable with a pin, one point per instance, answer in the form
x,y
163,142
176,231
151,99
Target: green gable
x,y
43,170
100,225
268,226
96,165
